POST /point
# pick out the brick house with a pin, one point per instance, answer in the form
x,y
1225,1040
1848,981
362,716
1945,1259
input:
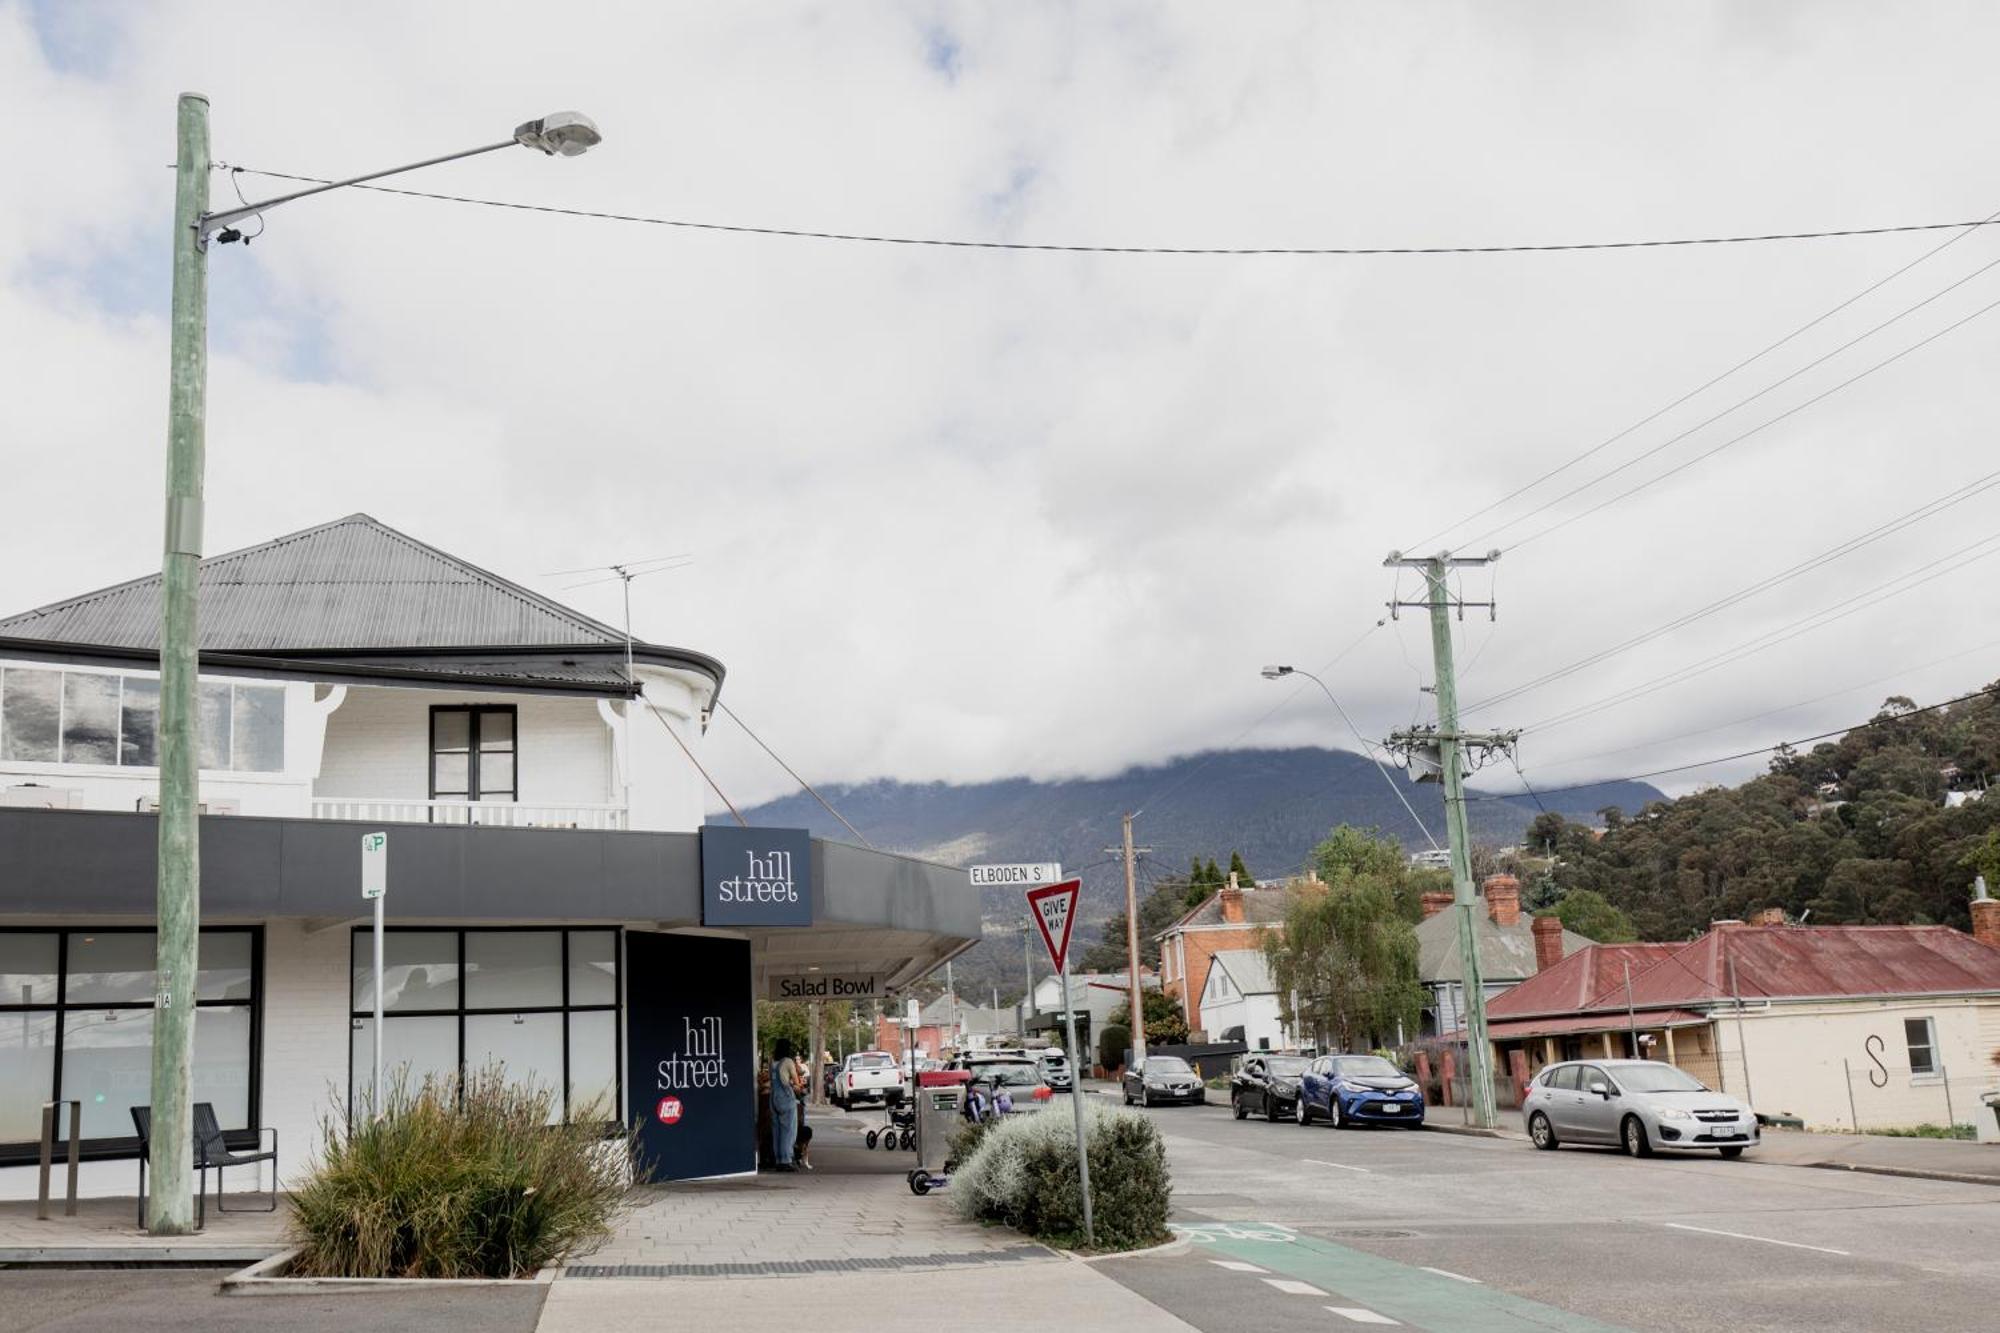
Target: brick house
x,y
1233,918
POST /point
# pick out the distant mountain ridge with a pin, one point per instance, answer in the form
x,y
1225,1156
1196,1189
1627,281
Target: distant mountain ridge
x,y
1273,805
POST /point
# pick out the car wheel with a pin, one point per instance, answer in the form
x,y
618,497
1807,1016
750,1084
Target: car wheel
x,y
1145,1096
1238,1109
1126,1093
1634,1134
1333,1115
1271,1109
1542,1132
1300,1111
1731,1154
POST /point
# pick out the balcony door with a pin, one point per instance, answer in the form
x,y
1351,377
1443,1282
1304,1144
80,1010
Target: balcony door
x,y
473,753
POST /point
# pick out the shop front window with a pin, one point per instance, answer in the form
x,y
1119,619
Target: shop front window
x,y
76,1022
539,1006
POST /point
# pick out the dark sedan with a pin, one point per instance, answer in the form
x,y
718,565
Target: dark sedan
x,y
1358,1090
1161,1080
1267,1085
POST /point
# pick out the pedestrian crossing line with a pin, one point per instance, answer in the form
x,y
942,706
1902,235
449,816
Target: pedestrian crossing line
x,y
1294,1287
1362,1316
1455,1277
1238,1266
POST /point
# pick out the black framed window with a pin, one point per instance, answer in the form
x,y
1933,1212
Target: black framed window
x,y
539,1003
76,1021
473,753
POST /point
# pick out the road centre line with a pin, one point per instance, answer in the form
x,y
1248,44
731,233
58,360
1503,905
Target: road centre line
x,y
1362,1316
1455,1277
1738,1235
1238,1266
1293,1287
1339,1166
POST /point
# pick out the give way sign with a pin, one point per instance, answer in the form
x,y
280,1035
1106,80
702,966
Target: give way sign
x,y
1055,912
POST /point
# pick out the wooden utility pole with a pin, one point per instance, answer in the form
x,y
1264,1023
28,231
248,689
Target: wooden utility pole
x,y
1451,744
1132,946
170,1206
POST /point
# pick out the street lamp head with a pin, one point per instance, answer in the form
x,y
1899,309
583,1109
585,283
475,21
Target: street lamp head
x,y
560,134
1273,672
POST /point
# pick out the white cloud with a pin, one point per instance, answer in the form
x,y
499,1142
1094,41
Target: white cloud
x,y
962,514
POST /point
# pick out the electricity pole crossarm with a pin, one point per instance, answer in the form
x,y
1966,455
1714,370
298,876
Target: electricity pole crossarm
x,y
1450,745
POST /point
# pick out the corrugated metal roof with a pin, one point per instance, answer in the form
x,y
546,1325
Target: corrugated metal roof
x,y
1771,963
1580,978
1262,906
1506,953
354,583
1780,962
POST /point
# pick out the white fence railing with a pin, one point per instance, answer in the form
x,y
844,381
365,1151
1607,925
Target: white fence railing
x,y
500,814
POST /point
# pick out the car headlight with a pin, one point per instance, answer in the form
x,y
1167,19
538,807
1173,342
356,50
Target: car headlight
x,y
1672,1113
1345,1086
1285,1089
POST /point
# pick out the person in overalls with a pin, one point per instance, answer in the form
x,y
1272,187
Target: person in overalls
x,y
784,1106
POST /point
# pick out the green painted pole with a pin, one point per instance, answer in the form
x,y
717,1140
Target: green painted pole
x,y
1479,1056
170,1207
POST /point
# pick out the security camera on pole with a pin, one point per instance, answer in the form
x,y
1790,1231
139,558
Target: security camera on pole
x,y
1053,907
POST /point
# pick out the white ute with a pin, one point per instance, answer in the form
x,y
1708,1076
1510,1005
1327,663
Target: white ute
x,y
868,1078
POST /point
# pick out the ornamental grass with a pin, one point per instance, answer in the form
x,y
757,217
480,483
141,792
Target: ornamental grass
x,y
458,1181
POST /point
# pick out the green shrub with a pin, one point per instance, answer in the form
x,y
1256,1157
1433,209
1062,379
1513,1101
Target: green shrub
x,y
1963,1132
444,1186
1023,1173
1111,1044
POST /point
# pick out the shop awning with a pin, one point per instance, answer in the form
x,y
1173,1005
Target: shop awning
x,y
1561,1025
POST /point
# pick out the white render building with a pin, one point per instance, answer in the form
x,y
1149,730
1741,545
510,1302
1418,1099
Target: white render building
x,y
542,810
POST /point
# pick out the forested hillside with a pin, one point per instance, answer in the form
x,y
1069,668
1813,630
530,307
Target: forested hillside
x,y
1888,824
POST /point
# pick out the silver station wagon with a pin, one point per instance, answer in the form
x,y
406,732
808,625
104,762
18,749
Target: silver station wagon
x,y
1641,1105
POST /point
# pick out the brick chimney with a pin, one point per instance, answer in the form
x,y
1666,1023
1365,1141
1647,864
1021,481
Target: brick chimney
x,y
1503,899
1232,903
1986,917
1548,942
1434,903
1770,916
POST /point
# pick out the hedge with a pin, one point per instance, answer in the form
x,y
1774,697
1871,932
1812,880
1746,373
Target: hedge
x,y
1022,1172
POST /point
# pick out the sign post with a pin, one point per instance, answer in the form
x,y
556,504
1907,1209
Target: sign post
x,y
1054,909
375,885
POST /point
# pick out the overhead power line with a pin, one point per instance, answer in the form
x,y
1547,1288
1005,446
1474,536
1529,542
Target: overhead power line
x,y
1654,744
1794,743
960,243
1930,509
1672,440
1820,619
1701,388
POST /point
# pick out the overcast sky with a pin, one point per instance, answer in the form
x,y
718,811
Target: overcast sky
x,y
961,514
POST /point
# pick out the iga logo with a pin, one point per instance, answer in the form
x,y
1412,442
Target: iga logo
x,y
669,1111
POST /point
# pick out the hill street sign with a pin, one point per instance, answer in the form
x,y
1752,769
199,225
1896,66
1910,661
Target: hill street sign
x,y
999,876
1055,912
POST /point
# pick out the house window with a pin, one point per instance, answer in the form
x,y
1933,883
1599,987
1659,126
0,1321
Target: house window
x,y
76,1022
472,754
1921,1035
541,1006
102,719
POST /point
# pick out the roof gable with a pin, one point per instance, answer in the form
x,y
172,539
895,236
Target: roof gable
x,y
1506,953
352,584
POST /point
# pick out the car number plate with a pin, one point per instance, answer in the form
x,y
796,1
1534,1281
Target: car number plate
x,y
1391,1107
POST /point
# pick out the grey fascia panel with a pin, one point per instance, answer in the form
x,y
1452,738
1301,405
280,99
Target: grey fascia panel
x,y
858,886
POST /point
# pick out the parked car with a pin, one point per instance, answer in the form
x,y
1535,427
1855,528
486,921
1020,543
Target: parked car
x,y
869,1078
1267,1085
1358,1090
1641,1105
1055,1069
1012,1086
1162,1079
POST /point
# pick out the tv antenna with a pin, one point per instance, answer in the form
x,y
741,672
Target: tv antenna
x,y
625,573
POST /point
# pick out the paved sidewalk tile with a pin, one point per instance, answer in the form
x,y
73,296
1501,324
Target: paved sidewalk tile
x,y
109,1227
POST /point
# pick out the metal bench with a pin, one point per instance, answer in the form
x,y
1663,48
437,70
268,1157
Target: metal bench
x,y
214,1151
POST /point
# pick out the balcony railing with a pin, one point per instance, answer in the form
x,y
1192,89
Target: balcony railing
x,y
501,814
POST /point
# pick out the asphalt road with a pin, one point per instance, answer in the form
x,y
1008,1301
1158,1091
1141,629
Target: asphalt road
x,y
1316,1228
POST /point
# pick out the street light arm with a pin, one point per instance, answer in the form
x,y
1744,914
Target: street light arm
x,y
213,222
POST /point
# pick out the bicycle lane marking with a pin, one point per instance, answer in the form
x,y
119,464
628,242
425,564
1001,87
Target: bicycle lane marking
x,y
1405,1292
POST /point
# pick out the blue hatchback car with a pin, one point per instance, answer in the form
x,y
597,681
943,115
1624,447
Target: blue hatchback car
x,y
1358,1090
